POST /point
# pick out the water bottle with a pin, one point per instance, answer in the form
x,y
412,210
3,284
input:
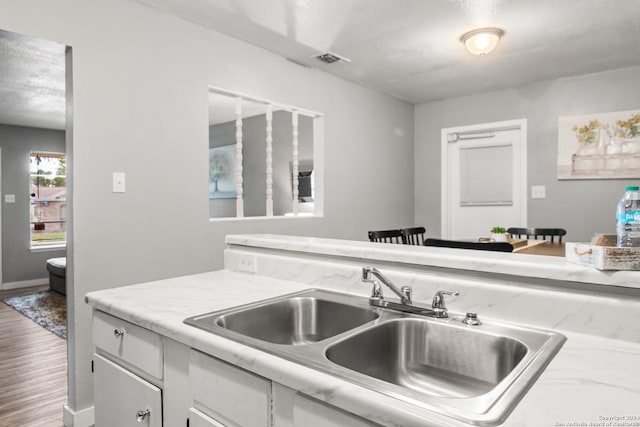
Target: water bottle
x,y
628,214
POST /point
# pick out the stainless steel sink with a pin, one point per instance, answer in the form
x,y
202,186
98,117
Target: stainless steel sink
x,y
476,374
294,320
429,357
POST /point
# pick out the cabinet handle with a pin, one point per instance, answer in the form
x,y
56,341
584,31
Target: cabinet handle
x,y
118,333
141,415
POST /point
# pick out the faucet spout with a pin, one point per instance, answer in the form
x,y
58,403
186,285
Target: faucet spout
x,y
403,293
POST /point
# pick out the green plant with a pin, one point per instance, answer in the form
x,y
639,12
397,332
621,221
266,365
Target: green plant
x,y
498,230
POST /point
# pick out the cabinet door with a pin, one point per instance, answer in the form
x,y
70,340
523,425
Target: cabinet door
x,y
121,395
229,394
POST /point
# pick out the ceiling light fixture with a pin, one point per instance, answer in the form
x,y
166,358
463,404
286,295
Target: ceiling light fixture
x,y
482,41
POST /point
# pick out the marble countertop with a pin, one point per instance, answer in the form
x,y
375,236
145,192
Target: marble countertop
x,y
516,264
589,379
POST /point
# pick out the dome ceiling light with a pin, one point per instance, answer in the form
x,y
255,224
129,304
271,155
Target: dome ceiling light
x,y
482,41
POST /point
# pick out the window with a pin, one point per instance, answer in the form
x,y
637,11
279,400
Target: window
x,y
48,190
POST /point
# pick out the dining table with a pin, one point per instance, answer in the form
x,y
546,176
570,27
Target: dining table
x,y
540,247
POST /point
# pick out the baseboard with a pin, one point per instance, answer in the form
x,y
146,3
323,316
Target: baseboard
x,y
24,284
82,418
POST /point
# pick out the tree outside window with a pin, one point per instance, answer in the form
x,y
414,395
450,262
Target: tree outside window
x,y
48,189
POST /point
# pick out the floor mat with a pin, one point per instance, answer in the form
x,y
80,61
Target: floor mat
x,y
47,308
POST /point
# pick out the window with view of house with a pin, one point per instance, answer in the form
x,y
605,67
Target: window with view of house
x,y
48,190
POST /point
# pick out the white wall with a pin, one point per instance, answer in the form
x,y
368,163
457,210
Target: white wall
x,y
140,107
582,207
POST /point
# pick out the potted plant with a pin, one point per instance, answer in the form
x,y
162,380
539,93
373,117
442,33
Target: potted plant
x,y
499,234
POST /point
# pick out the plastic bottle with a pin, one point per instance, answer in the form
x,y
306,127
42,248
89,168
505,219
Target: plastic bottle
x,y
628,215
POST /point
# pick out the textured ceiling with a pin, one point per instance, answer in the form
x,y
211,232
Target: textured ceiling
x,y
407,48
411,49
32,82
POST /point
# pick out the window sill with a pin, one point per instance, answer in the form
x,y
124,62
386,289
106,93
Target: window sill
x,y
48,248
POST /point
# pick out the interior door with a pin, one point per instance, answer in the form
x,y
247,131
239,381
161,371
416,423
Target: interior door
x,y
484,180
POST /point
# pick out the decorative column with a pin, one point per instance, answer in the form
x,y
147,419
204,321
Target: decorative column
x,y
294,122
269,158
239,194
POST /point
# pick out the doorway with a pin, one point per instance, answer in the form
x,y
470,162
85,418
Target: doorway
x,y
484,178
34,118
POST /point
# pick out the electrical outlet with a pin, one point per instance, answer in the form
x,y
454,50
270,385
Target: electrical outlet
x,y
538,192
247,263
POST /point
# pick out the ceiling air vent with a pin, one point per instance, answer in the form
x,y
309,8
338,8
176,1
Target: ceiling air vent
x,y
330,58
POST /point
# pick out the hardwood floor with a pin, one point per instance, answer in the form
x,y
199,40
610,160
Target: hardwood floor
x,y
33,371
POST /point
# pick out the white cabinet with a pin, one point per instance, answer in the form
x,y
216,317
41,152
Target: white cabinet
x,y
129,343
124,399
293,409
229,394
141,375
127,360
198,419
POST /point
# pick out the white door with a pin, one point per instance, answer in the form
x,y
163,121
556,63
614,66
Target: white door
x,y
484,179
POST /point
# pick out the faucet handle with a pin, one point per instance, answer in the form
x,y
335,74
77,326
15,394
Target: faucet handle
x,y
376,291
407,292
438,299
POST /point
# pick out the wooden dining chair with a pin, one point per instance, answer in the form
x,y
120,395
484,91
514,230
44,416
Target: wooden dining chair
x,y
413,236
456,244
544,233
386,236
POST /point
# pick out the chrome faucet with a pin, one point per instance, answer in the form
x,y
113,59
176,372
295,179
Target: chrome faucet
x,y
438,299
403,293
438,308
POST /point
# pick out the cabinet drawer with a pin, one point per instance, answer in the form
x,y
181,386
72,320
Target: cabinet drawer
x,y
198,419
137,346
119,395
227,393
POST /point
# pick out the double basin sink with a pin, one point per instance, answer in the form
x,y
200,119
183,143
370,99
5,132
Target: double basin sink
x,y
475,374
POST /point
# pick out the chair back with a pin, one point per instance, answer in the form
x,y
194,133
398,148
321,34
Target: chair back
x,y
386,236
413,236
496,247
545,233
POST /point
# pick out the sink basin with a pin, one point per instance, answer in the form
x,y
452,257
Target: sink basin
x,y
291,320
474,374
431,358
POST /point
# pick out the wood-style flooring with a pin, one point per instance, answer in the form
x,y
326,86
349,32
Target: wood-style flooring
x,y
33,371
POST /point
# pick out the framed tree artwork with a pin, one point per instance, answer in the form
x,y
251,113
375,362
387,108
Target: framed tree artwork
x,y
222,172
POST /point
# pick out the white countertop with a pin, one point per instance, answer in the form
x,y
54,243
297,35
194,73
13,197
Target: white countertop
x,y
516,264
588,379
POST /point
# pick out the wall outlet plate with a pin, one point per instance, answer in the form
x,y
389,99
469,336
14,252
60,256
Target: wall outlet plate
x,y
9,198
538,192
247,263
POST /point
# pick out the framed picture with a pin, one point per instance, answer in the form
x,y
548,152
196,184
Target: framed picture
x,y
222,172
599,146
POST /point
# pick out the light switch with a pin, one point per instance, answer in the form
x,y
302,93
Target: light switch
x,y
9,198
118,182
538,192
